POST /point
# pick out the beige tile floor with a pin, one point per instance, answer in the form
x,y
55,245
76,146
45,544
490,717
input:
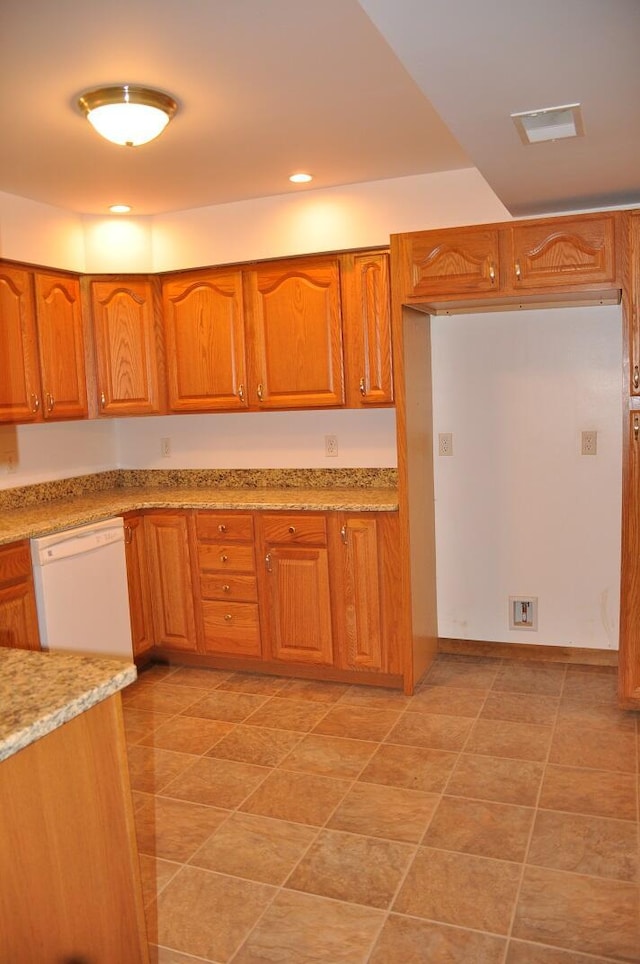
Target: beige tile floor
x,y
492,818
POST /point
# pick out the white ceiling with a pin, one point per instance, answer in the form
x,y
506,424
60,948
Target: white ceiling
x,y
351,91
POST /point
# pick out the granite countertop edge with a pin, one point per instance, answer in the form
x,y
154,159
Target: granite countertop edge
x,y
34,521
39,697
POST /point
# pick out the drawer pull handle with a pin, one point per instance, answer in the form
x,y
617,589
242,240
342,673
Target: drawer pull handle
x,y
363,387
226,588
224,558
636,377
343,534
228,617
292,530
267,560
222,527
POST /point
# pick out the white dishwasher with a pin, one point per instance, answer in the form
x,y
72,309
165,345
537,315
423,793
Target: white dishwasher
x,y
82,598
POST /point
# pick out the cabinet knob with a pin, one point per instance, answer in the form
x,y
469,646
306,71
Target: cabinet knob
x,y
363,387
222,527
518,271
292,530
226,588
228,617
259,391
224,558
241,392
636,377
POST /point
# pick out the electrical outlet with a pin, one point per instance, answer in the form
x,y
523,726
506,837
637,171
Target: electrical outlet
x,y
589,443
330,445
165,448
445,443
523,612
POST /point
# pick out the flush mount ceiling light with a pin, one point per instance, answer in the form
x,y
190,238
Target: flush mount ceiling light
x,y
119,208
301,178
549,123
127,114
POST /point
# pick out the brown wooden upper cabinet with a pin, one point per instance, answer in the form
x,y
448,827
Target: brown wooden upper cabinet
x,y
295,331
366,316
553,258
204,333
42,372
127,356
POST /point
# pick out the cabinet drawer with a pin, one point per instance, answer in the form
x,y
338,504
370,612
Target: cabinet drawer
x,y
233,588
231,628
301,529
217,525
15,562
222,556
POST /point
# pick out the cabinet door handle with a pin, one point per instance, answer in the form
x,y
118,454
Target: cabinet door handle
x,y
267,560
363,387
492,272
224,558
35,403
518,271
259,391
222,527
50,402
343,534
228,617
636,427
128,535
103,399
636,377
226,588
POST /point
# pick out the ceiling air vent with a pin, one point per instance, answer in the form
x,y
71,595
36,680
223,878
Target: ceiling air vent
x,y
549,123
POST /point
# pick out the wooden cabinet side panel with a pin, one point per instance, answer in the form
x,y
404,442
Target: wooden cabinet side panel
x,y
167,543
367,329
19,370
61,344
296,332
629,655
124,318
68,846
204,330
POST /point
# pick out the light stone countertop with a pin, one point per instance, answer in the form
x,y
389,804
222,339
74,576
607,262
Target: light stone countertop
x,y
39,520
41,691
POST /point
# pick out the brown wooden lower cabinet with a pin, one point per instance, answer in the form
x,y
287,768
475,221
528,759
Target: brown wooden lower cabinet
x,y
140,607
18,614
282,591
168,553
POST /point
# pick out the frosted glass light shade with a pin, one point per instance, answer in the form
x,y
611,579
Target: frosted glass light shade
x,y
127,114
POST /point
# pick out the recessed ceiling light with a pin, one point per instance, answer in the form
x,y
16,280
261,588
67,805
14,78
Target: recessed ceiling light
x,y
301,178
119,208
549,123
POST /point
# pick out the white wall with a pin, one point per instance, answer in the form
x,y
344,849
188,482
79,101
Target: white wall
x,y
518,509
59,450
40,234
260,440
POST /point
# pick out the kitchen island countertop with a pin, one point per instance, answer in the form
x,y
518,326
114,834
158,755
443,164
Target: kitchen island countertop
x,y
41,691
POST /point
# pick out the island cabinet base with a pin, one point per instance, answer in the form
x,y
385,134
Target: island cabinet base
x,y
70,875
